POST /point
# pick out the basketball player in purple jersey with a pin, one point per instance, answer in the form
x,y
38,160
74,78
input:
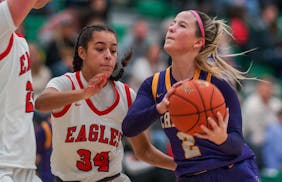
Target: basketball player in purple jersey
x,y
220,154
17,138
88,107
43,135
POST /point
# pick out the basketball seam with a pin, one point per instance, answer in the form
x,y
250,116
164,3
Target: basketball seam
x,y
211,106
198,112
202,100
192,114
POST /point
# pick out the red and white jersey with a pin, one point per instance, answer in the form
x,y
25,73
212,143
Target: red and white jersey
x,y
87,134
17,139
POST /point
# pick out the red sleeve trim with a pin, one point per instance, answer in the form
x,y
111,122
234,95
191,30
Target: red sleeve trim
x,y
20,35
8,49
77,75
128,95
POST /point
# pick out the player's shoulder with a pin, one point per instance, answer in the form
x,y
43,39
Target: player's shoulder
x,y
63,82
155,76
65,76
219,82
226,88
123,85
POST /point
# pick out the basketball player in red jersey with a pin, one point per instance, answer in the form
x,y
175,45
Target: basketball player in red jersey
x,y
88,107
17,138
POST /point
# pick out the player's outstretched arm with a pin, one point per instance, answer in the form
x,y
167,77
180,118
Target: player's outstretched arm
x,y
51,99
145,151
20,8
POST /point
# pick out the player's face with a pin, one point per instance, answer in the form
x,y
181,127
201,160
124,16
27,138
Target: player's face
x,y
101,54
181,34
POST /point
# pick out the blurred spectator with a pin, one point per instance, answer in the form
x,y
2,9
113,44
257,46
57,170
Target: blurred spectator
x,y
138,40
45,11
259,110
62,41
145,66
95,12
100,8
40,73
252,7
52,26
75,3
272,153
264,35
237,16
43,133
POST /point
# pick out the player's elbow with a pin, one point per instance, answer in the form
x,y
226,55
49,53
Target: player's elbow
x,y
126,129
39,105
237,150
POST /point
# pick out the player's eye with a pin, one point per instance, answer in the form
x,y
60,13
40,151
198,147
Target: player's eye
x,y
99,49
172,23
113,51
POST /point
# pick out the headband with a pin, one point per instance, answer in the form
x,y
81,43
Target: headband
x,y
200,23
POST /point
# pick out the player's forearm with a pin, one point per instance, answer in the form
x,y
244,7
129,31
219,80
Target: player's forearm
x,y
145,151
19,9
55,100
233,145
156,158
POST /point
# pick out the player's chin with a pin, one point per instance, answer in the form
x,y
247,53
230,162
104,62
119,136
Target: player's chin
x,y
108,69
168,48
109,72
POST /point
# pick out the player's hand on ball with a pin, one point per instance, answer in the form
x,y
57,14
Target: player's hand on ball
x,y
162,107
218,132
95,84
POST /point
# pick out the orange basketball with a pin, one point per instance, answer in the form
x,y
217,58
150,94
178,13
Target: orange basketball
x,y
192,103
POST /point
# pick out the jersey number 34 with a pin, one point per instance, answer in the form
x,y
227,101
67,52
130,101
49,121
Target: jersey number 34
x,y
101,160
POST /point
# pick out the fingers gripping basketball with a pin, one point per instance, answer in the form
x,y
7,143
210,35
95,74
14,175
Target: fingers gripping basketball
x,y
192,103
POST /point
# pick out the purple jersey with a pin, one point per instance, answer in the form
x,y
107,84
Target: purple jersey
x,y
44,149
191,154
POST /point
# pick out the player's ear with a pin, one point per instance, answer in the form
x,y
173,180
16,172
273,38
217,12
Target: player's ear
x,y
81,52
199,43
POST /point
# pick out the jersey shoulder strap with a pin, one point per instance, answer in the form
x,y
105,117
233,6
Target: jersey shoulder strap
x,y
157,75
155,85
209,76
128,95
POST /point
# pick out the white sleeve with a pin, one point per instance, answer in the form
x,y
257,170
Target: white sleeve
x,y
61,83
132,94
7,26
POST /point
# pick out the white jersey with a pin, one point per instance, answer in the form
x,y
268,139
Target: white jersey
x,y
87,134
17,138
